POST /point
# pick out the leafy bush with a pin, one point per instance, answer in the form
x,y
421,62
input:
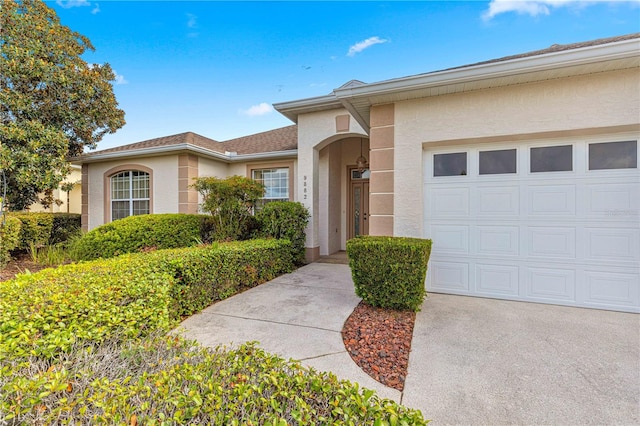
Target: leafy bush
x,y
287,220
65,227
35,230
230,201
130,295
167,380
138,233
389,272
9,238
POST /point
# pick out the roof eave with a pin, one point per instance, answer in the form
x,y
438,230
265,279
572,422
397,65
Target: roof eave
x,y
525,65
292,109
567,58
173,149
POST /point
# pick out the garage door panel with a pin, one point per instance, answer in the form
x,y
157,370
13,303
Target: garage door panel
x,y
552,241
497,280
552,200
558,285
449,202
613,244
619,201
452,239
498,201
610,289
498,240
449,276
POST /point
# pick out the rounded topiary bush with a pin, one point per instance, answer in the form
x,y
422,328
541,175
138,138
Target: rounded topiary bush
x,y
389,272
139,233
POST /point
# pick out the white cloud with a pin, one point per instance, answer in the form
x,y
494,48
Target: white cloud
x,y
536,7
360,46
192,21
96,9
68,4
192,24
258,110
119,78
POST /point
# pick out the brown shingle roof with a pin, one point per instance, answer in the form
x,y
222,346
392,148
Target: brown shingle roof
x,y
179,139
282,139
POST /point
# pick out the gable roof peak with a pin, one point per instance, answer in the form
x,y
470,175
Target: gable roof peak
x,y
352,83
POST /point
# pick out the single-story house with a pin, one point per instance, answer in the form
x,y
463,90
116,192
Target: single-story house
x,y
523,170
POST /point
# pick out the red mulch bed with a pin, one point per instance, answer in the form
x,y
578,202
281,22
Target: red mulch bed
x,y
379,342
19,264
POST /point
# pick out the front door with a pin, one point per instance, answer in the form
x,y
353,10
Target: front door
x,y
358,202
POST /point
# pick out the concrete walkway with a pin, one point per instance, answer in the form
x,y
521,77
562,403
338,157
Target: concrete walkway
x,y
298,316
473,361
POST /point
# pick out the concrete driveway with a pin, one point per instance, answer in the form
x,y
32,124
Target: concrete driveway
x,y
486,361
473,361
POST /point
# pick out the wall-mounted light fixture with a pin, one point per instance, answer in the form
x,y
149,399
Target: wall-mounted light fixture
x,y
361,162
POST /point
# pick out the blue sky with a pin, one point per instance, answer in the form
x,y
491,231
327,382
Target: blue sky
x,y
215,68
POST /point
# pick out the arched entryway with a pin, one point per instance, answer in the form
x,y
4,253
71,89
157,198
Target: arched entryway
x,y
343,192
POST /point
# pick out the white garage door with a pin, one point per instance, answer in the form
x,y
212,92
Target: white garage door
x,y
543,221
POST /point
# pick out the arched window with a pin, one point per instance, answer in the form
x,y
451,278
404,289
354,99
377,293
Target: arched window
x,y
129,194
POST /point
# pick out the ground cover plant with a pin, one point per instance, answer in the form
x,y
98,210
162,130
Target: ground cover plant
x,y
166,380
86,343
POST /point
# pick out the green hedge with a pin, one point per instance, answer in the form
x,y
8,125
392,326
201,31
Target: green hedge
x,y
36,228
65,227
138,233
9,238
203,276
389,272
287,220
131,295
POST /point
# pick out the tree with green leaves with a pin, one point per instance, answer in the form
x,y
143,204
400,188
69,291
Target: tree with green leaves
x,y
231,202
53,104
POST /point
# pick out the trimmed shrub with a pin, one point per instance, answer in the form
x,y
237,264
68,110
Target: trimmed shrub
x,y
139,233
389,272
9,238
131,295
168,380
36,229
65,227
285,220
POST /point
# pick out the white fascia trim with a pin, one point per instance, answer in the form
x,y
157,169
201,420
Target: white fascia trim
x,y
263,155
291,109
155,151
586,55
